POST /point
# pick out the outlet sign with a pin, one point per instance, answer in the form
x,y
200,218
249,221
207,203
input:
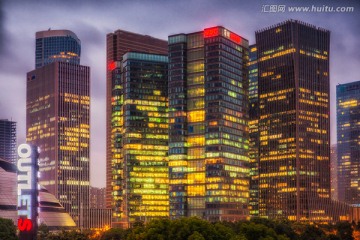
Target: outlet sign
x,y
27,204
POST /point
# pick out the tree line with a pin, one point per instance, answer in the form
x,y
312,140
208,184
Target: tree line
x,y
197,229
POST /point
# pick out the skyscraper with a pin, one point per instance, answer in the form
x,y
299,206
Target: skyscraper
x,y
208,125
141,140
8,140
294,125
348,142
58,121
117,44
56,46
254,139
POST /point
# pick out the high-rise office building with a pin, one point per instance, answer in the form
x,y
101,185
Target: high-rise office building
x,y
208,125
117,44
56,46
294,125
254,139
140,121
8,140
58,121
348,142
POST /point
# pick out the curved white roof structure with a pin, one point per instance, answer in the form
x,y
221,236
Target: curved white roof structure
x,y
51,212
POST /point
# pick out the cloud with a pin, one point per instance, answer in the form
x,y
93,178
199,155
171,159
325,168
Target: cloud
x,y
2,31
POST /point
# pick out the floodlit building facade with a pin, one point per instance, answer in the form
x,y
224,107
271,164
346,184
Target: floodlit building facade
x,y
208,125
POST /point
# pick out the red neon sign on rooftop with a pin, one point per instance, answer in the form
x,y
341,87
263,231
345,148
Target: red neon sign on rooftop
x,y
211,32
215,31
234,37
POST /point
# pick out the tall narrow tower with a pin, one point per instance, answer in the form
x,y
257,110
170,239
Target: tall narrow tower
x,y
126,112
294,125
208,125
58,119
254,138
141,141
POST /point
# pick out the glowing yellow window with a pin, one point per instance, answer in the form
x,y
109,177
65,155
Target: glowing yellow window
x,y
196,92
196,116
196,190
196,141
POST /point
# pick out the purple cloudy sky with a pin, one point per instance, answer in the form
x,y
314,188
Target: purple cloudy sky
x,y
91,20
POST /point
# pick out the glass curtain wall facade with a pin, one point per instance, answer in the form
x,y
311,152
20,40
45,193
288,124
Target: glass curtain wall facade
x,y
348,142
58,121
254,139
8,141
140,120
208,125
294,125
117,44
56,46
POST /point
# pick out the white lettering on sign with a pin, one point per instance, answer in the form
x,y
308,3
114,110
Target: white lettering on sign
x,y
24,180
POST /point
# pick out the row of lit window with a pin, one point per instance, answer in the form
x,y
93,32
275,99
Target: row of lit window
x,y
349,103
149,175
81,97
146,147
278,54
145,102
84,102
226,155
313,103
315,55
149,169
149,214
150,191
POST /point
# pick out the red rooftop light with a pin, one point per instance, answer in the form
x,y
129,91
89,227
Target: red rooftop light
x,y
112,66
211,32
214,31
234,37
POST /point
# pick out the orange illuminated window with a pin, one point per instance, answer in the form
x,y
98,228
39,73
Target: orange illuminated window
x,y
196,116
